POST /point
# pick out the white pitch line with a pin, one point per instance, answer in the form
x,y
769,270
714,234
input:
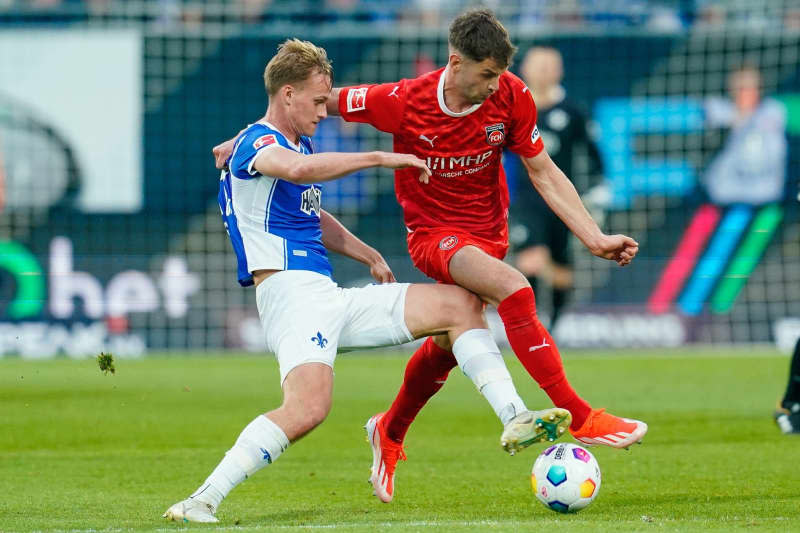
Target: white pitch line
x,y
539,522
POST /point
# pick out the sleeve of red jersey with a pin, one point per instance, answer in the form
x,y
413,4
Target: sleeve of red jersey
x,y
524,138
378,105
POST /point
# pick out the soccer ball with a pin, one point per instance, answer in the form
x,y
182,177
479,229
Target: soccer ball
x,y
565,478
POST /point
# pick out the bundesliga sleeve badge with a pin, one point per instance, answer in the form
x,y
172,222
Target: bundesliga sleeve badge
x,y
264,140
357,99
495,134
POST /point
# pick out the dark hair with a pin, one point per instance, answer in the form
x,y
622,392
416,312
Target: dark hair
x,y
479,35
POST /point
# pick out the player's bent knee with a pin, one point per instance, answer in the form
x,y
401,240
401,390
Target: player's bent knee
x,y
465,308
472,304
317,414
512,283
310,415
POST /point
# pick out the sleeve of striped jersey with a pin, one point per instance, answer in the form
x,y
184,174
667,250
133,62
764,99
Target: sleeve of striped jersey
x,y
524,138
247,148
378,105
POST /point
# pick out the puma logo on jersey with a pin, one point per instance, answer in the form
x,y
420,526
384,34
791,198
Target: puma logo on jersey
x,y
394,92
429,141
311,200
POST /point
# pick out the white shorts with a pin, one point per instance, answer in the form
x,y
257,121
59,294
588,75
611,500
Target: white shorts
x,y
307,318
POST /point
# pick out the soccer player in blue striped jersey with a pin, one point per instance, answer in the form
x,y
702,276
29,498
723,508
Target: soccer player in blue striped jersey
x,y
270,200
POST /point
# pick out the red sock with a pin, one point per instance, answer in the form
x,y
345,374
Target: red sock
x,y
426,372
536,350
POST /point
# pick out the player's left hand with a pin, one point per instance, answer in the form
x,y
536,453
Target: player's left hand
x,y
380,270
619,248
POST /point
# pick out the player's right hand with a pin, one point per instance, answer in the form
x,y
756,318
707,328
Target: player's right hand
x,y
619,248
380,270
392,160
222,152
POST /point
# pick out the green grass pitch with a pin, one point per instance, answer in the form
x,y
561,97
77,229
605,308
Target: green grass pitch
x,y
84,451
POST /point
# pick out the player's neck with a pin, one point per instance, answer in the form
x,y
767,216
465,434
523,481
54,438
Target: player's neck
x,y
453,98
282,123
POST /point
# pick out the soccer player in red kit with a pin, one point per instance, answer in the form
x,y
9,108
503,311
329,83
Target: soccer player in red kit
x,y
458,119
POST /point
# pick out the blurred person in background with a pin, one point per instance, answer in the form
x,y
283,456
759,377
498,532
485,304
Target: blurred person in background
x,y
543,240
750,167
787,415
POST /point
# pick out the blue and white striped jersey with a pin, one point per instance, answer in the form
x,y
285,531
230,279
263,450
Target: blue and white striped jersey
x,y
272,223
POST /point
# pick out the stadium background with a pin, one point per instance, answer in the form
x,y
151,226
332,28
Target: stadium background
x,y
110,236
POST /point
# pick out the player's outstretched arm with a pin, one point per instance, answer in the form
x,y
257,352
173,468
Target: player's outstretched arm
x,y
563,199
292,166
337,238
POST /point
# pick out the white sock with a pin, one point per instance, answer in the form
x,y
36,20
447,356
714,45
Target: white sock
x,y
479,358
259,444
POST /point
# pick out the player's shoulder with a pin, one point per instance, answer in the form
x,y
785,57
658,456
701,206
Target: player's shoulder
x,y
512,90
429,80
259,135
252,140
511,81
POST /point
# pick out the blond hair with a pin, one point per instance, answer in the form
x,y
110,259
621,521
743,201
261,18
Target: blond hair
x,y
294,63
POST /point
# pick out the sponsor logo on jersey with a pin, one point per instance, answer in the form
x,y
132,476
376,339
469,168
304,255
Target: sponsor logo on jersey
x,y
495,134
448,242
535,134
264,140
356,99
311,200
458,165
394,92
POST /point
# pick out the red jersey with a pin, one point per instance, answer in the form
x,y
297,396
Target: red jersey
x,y
463,150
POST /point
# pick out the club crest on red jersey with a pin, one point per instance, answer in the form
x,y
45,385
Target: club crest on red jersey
x,y
448,242
496,134
356,99
264,140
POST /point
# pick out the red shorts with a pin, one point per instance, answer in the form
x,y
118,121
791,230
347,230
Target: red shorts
x,y
432,249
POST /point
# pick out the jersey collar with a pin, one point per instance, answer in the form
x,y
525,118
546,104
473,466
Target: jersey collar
x,y
440,96
296,147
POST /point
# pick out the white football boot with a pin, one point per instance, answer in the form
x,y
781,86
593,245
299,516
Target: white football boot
x,y
530,427
190,510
